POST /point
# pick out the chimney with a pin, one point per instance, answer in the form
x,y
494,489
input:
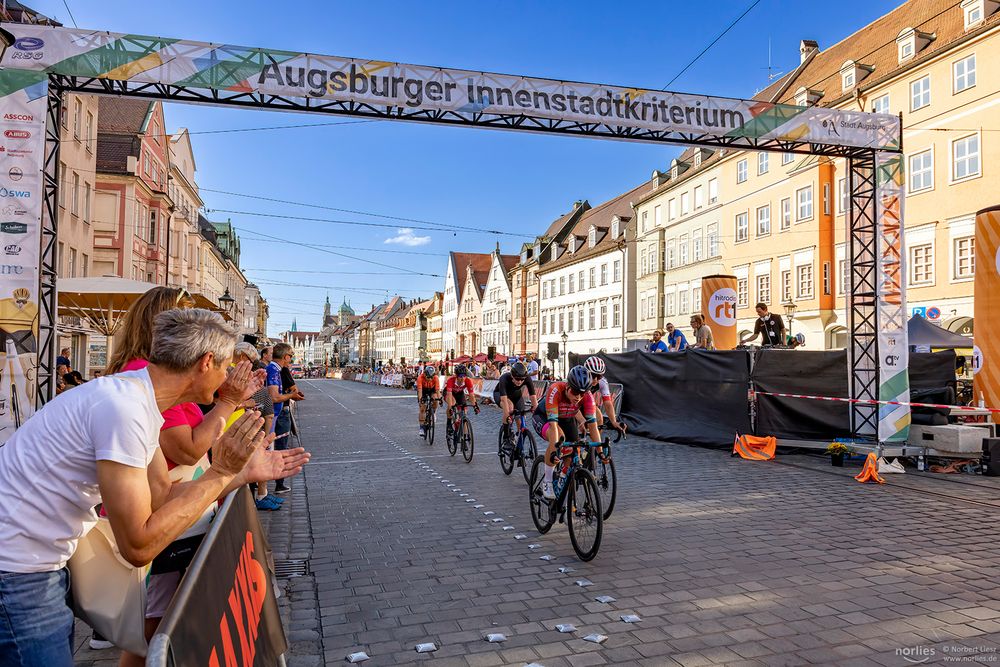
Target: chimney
x,y
806,48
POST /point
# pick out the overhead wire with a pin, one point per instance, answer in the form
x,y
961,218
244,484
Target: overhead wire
x,y
712,43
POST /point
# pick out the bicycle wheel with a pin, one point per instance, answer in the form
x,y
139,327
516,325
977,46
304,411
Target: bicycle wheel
x,y
541,515
453,439
584,517
429,428
528,453
607,483
504,450
468,444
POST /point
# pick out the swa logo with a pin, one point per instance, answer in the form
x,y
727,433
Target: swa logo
x,y
16,194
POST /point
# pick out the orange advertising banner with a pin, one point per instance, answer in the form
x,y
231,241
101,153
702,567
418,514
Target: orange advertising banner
x,y
718,305
986,348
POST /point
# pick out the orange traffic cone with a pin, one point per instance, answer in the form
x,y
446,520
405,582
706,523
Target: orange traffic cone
x,y
869,473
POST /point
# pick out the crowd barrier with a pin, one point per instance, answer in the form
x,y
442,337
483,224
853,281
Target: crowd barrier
x,y
225,611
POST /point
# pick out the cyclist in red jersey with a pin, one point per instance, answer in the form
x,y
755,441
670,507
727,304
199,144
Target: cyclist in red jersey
x,y
556,419
455,389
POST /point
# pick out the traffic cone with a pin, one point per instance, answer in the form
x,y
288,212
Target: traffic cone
x,y
869,472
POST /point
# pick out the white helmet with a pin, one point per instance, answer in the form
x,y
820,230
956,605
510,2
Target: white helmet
x,y
595,365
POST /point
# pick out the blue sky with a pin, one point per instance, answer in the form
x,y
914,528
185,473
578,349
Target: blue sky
x,y
476,178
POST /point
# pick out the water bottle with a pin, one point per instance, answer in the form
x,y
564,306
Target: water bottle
x,y
982,401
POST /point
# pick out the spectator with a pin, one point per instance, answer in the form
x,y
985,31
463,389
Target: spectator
x,y
282,387
676,341
63,359
769,325
265,356
99,445
703,339
532,367
261,401
657,345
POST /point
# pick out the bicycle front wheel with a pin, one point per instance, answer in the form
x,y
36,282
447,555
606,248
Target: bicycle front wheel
x,y
584,517
468,444
453,440
541,515
528,453
429,428
503,449
607,483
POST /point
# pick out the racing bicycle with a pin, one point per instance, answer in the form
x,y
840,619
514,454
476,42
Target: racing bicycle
x,y
577,502
521,450
461,436
429,420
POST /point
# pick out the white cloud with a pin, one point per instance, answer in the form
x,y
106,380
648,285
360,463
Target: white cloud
x,y
405,236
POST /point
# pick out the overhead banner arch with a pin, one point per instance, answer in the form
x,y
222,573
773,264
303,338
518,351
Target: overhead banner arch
x,y
46,61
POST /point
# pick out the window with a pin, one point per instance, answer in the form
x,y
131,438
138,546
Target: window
x,y
786,285
965,158
671,246
847,79
656,216
696,300
685,203
604,316
842,269
881,104
841,196
571,283
764,221
604,274
580,320
742,295
77,117
668,305
787,158
699,196
762,163
645,221
764,288
545,289
964,250
593,270
76,193
544,321
682,301
713,190
697,246
826,277
562,285
562,321
713,240
616,315
905,50
152,225
671,209
804,197
805,280
682,245
786,213
973,14
570,323
922,171
742,227
922,264
965,73
741,171
617,270
920,93
84,265
72,262
145,163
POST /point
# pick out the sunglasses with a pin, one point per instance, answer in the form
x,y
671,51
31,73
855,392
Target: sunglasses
x,y
182,295
517,380
573,392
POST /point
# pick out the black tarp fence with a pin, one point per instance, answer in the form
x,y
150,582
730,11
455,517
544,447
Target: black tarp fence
x,y
702,398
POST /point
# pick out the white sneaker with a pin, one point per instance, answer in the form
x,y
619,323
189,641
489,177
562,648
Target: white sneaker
x,y
422,432
547,491
100,644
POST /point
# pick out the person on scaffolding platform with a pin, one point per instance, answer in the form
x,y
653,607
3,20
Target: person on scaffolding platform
x,y
769,325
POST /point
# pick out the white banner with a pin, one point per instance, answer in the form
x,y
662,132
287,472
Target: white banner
x,y
433,93
22,149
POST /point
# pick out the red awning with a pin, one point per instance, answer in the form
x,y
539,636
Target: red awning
x,y
480,358
464,359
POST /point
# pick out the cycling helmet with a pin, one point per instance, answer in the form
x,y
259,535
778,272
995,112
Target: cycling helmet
x,y
578,379
429,371
519,371
461,371
595,365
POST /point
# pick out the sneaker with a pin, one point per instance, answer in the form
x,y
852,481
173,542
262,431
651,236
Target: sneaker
x,y
547,491
423,433
268,503
100,644
276,499
281,487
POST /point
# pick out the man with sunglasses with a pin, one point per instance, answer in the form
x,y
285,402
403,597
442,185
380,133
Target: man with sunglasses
x,y
281,393
556,419
513,388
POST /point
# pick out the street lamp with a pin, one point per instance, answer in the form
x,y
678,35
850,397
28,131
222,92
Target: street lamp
x,y
790,309
226,301
565,338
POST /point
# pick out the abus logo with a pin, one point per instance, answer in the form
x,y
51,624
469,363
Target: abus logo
x,y
27,118
12,249
16,194
722,306
13,228
17,134
15,174
28,44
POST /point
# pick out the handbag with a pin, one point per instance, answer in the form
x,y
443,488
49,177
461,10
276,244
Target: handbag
x,y
109,593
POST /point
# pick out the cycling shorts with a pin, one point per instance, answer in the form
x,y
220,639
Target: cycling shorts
x,y
542,425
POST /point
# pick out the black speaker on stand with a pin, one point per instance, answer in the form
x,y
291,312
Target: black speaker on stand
x,y
991,457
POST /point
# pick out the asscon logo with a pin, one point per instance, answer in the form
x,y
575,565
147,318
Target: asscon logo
x,y
17,134
722,306
23,117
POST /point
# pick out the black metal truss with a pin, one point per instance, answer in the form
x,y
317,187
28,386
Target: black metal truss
x,y
523,123
862,306
48,261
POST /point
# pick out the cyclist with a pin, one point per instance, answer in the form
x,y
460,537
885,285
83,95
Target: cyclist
x,y
599,388
514,387
427,391
555,420
455,389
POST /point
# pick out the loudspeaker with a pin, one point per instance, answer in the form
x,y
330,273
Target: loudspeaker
x,y
491,352
250,338
991,457
553,352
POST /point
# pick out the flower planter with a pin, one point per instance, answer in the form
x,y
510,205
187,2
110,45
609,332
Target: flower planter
x,y
837,460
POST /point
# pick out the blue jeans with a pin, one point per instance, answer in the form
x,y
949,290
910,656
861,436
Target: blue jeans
x,y
36,622
282,425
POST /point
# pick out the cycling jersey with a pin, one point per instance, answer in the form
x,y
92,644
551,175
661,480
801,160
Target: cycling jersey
x,y
457,386
601,389
506,387
427,384
557,406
